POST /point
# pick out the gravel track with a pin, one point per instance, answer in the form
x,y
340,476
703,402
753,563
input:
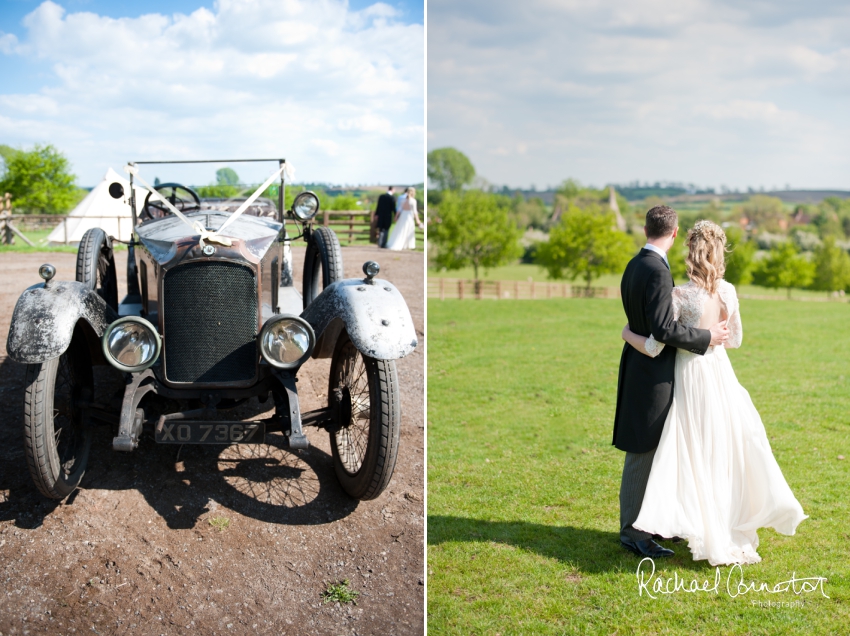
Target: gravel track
x,y
133,550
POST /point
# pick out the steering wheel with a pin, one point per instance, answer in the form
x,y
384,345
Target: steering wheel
x,y
183,198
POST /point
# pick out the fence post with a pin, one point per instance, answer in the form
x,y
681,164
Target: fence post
x,y
532,290
460,289
442,289
327,219
498,290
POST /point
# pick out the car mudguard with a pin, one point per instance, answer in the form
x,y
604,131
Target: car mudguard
x,y
374,314
44,319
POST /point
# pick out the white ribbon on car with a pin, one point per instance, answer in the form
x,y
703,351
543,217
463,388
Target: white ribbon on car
x,y
209,235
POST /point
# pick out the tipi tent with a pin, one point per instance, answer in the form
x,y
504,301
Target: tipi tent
x,y
99,209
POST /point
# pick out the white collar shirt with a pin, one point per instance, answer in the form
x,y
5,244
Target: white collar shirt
x,y
657,250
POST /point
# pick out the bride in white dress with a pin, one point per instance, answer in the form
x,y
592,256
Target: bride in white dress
x,y
403,236
714,480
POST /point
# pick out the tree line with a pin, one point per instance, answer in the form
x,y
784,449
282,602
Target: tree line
x,y
581,236
41,181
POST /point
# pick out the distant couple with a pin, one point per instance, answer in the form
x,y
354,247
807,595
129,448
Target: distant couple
x,y
698,463
403,236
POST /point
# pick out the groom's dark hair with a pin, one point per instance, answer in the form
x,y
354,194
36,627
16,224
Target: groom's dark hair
x,y
661,221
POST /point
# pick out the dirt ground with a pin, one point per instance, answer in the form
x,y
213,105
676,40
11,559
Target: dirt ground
x,y
133,550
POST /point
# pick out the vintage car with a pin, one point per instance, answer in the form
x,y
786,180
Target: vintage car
x,y
211,319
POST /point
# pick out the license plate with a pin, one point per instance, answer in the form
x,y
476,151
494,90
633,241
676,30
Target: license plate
x,y
211,433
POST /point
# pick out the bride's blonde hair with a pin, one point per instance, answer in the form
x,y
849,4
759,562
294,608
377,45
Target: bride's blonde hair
x,y
706,259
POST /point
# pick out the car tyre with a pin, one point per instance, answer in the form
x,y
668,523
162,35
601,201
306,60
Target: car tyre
x,y
365,444
56,437
96,266
322,263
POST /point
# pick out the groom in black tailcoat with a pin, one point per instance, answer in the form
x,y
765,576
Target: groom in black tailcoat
x,y
384,212
645,385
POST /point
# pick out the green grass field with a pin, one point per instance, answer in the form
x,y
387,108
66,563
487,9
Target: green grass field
x,y
523,481
39,238
524,271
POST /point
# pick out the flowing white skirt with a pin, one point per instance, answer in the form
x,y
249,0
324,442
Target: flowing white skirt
x,y
403,235
714,480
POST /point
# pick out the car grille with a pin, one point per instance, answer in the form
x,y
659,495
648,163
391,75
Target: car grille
x,y
210,313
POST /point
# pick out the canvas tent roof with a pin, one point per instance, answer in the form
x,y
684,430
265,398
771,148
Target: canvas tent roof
x,y
99,209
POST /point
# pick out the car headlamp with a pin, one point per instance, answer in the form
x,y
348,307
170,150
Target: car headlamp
x,y
286,341
305,206
131,344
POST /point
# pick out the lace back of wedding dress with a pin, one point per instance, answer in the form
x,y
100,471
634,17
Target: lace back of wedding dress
x,y
693,306
692,303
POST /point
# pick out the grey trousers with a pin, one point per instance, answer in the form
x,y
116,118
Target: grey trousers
x,y
632,488
383,232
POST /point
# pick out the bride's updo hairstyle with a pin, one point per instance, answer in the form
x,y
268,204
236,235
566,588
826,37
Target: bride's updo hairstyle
x,y
706,259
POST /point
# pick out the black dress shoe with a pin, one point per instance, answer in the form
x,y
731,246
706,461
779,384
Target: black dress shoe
x,y
658,537
645,547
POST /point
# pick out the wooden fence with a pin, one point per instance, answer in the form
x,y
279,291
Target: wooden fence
x,y
351,226
464,289
38,221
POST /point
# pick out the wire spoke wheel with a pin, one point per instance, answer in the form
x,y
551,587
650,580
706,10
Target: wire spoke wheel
x,y
56,438
365,443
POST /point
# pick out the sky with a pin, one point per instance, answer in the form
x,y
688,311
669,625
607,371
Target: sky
x,y
736,93
335,87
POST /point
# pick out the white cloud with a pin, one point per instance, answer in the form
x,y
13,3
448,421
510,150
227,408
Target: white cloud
x,y
8,43
742,93
312,80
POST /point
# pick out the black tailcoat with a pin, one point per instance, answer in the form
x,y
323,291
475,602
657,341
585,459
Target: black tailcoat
x,y
645,385
385,210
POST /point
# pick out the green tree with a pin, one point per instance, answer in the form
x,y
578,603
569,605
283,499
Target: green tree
x,y
832,267
570,189
739,260
713,211
676,258
218,191
784,267
828,217
766,213
529,213
226,176
585,244
40,181
449,168
572,193
473,228
345,202
6,154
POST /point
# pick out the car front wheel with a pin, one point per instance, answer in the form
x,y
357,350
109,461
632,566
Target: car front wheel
x,y
56,439
365,442
322,263
96,266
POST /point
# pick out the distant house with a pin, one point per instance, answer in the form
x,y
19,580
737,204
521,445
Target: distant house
x,y
800,217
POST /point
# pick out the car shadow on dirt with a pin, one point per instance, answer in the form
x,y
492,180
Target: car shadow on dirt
x,y
183,484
